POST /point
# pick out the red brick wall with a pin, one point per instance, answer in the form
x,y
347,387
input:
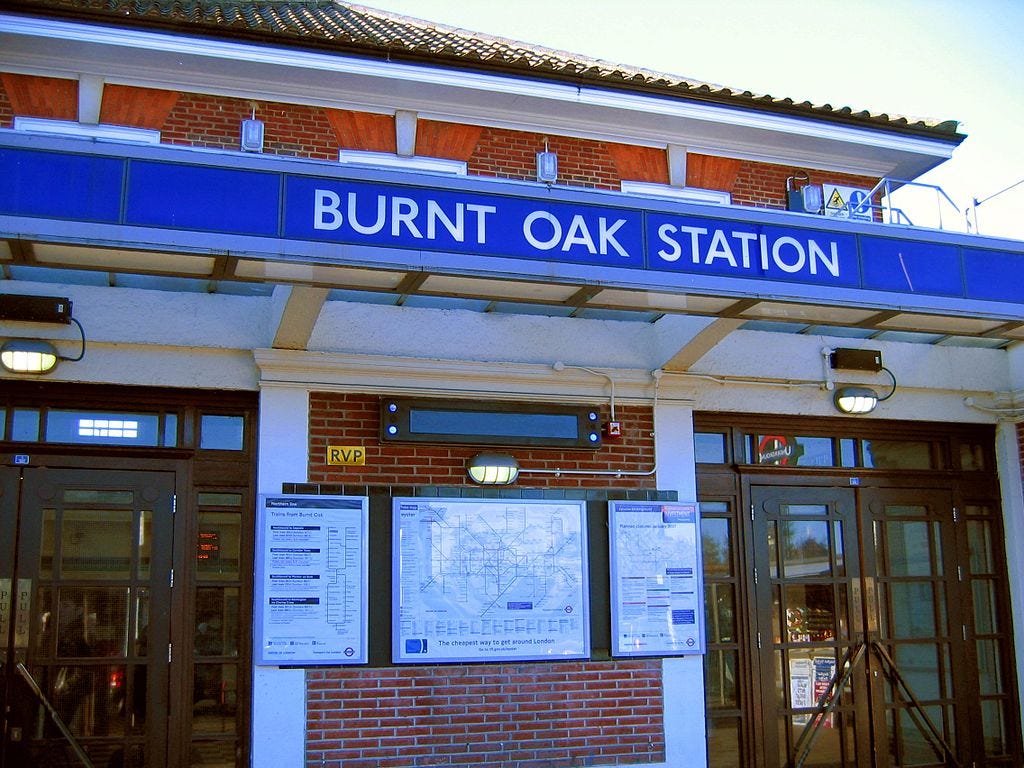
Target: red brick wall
x,y
354,419
763,185
508,154
198,120
531,715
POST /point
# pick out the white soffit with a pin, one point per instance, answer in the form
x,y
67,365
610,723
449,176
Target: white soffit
x,y
940,324
497,289
293,272
160,60
768,310
115,260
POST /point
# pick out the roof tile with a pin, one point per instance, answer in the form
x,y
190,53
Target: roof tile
x,y
349,27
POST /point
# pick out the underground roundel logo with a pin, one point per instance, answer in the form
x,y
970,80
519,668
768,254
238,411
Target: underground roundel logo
x,y
779,450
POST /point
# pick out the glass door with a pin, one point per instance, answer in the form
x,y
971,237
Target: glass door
x,y
920,624
86,561
807,587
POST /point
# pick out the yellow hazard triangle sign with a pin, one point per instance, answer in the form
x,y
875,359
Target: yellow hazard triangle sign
x,y
835,200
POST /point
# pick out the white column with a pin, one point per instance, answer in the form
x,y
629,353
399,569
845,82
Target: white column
x,y
1008,460
279,695
683,677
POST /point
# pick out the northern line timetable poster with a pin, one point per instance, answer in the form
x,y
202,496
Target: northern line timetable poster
x,y
312,557
489,580
656,586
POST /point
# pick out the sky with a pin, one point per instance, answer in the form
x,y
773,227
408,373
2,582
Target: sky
x,y
943,59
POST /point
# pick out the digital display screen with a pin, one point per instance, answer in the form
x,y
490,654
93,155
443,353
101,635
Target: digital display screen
x,y
542,425
471,423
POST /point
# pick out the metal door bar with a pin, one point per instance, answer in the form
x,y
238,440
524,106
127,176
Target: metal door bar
x,y
75,746
830,698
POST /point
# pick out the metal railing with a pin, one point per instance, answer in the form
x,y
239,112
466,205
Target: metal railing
x,y
947,214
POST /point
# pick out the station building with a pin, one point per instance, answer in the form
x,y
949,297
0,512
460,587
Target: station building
x,y
312,256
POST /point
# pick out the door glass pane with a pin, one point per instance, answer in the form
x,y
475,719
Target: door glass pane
x,y
224,433
810,613
47,543
96,543
993,727
25,425
724,742
805,548
848,452
913,609
990,675
986,615
216,631
709,447
214,693
773,548
720,612
803,509
720,680
916,747
919,664
833,745
90,622
896,454
908,548
97,496
716,546
979,538
218,548
972,457
89,427
212,754
144,542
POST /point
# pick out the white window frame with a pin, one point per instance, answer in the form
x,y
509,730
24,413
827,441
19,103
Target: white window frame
x,y
685,194
99,131
399,162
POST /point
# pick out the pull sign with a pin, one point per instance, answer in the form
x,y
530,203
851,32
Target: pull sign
x,y
346,455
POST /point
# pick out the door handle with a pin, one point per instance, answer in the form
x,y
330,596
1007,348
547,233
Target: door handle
x,y
5,613
23,615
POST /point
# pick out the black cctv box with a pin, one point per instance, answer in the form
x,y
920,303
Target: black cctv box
x,y
856,359
35,309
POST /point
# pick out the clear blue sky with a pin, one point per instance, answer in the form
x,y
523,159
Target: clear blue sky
x,y
946,59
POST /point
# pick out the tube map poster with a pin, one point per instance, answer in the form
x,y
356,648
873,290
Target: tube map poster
x,y
489,580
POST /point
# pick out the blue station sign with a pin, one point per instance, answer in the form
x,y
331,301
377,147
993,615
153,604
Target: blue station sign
x,y
306,208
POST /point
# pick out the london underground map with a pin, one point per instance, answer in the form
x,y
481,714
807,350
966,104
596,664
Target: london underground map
x,y
489,580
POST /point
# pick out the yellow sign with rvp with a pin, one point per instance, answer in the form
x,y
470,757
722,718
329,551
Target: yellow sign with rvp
x,y
346,455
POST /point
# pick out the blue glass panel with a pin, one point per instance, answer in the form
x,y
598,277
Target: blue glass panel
x,y
202,198
908,266
55,185
221,433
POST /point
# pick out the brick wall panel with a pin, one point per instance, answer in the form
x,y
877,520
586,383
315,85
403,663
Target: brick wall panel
x,y
215,122
47,97
418,464
533,715
510,154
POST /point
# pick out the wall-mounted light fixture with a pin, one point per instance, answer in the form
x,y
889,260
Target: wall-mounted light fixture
x,y
493,469
28,356
252,132
858,400
35,356
547,165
